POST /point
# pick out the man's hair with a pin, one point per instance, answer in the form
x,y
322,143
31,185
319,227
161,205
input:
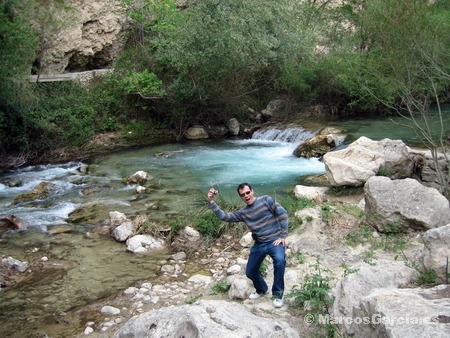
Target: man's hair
x,y
242,186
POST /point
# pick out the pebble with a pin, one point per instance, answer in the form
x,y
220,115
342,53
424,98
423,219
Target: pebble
x,y
110,310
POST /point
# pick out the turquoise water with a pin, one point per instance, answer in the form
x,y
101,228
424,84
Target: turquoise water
x,y
397,127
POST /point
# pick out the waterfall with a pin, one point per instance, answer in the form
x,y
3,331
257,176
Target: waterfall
x,y
289,135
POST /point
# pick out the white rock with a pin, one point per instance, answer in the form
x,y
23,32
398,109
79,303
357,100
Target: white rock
x,y
110,310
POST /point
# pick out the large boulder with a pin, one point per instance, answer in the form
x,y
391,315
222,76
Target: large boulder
x,y
365,158
436,251
398,205
404,313
316,146
319,145
233,126
196,133
205,319
274,108
350,289
312,193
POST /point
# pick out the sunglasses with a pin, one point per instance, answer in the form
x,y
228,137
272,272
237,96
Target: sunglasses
x,y
245,193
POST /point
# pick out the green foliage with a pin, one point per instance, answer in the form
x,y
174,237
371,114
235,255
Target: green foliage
x,y
354,210
392,240
299,257
207,224
66,115
221,286
137,132
17,49
110,102
211,60
176,225
194,299
151,16
228,52
425,276
347,270
293,204
314,293
361,235
369,257
393,228
383,171
407,45
325,212
144,83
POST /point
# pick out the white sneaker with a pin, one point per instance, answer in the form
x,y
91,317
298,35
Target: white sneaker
x,y
277,302
256,295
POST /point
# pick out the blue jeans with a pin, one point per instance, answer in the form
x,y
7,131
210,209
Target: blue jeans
x,y
258,253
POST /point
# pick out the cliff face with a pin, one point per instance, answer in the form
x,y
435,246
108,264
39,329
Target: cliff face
x,y
87,35
90,35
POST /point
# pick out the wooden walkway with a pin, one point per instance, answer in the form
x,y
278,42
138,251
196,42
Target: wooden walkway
x,y
82,77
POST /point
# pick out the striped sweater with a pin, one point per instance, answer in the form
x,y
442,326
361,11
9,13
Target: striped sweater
x,y
265,218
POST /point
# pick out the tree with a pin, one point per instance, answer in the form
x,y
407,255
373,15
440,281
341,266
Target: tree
x,y
406,52
17,51
221,56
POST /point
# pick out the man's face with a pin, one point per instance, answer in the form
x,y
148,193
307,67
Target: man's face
x,y
247,195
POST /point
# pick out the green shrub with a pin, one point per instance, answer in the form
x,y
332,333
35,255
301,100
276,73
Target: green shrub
x,y
293,204
325,212
176,225
354,210
425,276
361,235
221,286
207,224
314,292
384,171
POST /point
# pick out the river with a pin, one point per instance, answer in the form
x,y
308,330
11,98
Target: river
x,y
86,268
77,268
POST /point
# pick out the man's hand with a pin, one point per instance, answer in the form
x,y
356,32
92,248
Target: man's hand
x,y
279,241
211,194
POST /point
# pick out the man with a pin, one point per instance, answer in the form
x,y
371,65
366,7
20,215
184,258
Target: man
x,y
268,222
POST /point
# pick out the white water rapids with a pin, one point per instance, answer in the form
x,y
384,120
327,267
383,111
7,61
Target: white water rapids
x,y
265,161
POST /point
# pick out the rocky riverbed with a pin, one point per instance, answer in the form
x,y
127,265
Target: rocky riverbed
x,y
190,276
